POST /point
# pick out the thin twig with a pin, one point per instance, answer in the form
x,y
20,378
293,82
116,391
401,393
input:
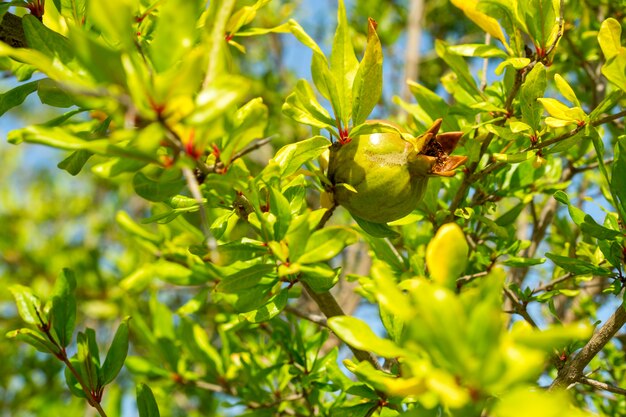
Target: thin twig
x,y
194,189
483,78
469,278
550,285
313,318
258,144
62,356
327,215
519,307
602,385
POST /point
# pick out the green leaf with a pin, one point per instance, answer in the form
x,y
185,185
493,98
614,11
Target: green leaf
x,y
554,337
327,243
38,60
75,162
53,94
514,158
102,63
586,223
74,10
115,18
28,305
88,359
71,381
129,226
33,338
518,262
357,410
343,64
517,63
216,19
219,96
146,404
242,17
540,17
359,335
279,207
485,22
177,274
249,124
618,173
326,83
560,111
533,88
247,278
460,68
432,104
45,40
565,89
609,101
175,33
116,355
577,266
159,189
63,310
16,96
380,230
510,216
609,38
269,310
320,277
303,37
303,107
368,82
291,157
478,50
59,137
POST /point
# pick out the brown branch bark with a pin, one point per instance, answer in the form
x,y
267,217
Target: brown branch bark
x,y
572,371
602,385
329,306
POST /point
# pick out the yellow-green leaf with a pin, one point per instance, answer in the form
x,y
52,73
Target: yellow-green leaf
x,y
565,89
446,255
485,22
609,37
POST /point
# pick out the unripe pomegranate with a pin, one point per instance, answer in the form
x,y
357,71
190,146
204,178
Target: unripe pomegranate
x,y
381,177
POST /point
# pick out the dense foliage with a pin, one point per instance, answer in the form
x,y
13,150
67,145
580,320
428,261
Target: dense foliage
x,y
191,255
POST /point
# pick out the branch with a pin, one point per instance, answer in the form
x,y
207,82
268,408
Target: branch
x,y
466,279
313,318
327,215
602,385
519,307
12,32
194,188
91,398
572,371
550,285
329,306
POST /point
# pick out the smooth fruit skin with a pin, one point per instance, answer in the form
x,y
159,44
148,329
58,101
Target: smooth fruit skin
x,y
382,168
382,177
